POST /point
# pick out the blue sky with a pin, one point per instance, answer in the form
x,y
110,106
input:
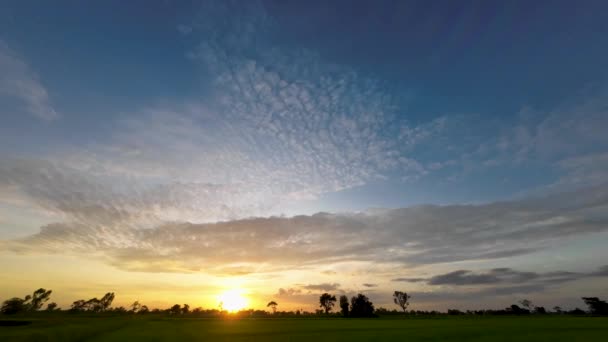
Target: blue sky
x,y
125,121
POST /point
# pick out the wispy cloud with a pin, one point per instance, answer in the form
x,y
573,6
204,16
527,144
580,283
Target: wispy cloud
x,y
18,81
467,285
409,236
322,287
503,276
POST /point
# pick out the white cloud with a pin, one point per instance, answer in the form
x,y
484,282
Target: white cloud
x,y
19,81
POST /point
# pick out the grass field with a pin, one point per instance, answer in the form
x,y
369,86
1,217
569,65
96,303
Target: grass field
x,y
62,328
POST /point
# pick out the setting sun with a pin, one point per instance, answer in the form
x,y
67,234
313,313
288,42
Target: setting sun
x,y
232,300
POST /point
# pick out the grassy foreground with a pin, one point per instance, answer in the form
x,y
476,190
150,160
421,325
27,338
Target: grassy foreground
x,y
66,328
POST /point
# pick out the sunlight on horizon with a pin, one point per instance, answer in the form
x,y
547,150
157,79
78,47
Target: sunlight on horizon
x,y
232,300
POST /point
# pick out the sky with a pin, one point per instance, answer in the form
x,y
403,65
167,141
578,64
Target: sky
x,y
173,151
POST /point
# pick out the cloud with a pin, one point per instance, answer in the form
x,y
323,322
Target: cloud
x,y
501,276
135,233
184,29
278,126
288,292
322,287
18,81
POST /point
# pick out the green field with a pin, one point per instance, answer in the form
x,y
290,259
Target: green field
x,y
132,328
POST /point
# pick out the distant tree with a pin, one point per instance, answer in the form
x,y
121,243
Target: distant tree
x,y
540,310
51,306
135,307
455,312
120,309
327,302
516,310
596,306
143,309
39,297
361,306
576,311
273,305
78,305
93,305
185,309
527,304
30,303
13,306
344,305
106,301
401,299
175,309
557,309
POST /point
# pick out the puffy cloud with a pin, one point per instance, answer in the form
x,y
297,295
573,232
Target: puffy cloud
x,y
19,81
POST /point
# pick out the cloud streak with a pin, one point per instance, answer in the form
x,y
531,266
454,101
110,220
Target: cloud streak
x,y
408,236
18,81
503,276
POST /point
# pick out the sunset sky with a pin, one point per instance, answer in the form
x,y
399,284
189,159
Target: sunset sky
x,y
174,151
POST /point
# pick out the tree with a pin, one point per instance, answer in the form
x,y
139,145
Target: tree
x,y
175,309
51,306
273,305
135,307
185,309
13,306
557,309
327,302
401,299
79,305
30,303
93,305
143,310
516,310
527,304
596,306
39,297
106,301
361,306
344,305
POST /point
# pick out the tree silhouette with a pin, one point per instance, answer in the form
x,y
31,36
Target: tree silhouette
x,y
344,305
401,299
175,309
361,306
143,309
136,306
13,306
79,305
327,302
106,301
39,297
527,304
273,305
51,306
93,304
596,306
185,309
30,303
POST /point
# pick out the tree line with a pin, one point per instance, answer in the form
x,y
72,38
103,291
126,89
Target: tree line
x,y
357,306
